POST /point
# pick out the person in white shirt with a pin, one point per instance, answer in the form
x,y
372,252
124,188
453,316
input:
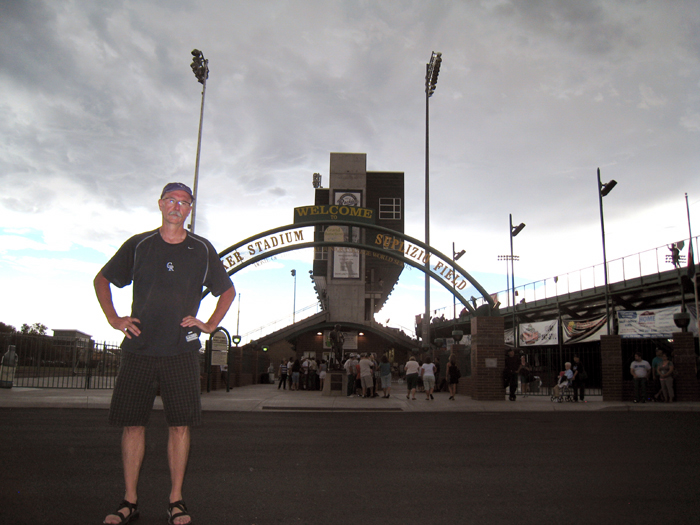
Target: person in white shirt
x,y
640,370
366,374
565,379
427,373
411,368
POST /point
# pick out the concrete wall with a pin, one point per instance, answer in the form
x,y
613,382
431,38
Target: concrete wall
x,y
348,171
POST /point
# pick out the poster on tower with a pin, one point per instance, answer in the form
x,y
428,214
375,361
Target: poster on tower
x,y
346,261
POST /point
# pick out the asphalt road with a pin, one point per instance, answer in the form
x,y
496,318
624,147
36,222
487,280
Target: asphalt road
x,y
62,466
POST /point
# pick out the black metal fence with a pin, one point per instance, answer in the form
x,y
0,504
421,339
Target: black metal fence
x,y
50,362
547,362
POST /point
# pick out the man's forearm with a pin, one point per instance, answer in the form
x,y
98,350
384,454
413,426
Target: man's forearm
x,y
222,307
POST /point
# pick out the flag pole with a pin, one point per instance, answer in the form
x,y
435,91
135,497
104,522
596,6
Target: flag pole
x,y
691,263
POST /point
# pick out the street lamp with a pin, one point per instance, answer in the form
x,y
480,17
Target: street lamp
x,y
431,76
513,232
200,68
507,258
294,308
603,190
455,257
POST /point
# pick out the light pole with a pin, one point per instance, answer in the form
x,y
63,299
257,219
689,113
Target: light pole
x,y
431,76
294,308
603,190
507,258
513,232
455,257
200,68
238,318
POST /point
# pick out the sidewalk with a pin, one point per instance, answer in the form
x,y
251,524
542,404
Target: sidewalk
x,y
255,398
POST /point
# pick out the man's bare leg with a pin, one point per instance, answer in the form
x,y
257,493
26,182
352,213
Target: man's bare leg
x,y
178,454
133,449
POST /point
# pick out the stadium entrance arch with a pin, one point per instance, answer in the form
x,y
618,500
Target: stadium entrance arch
x,y
385,243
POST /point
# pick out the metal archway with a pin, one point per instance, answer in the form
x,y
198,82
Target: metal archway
x,y
237,263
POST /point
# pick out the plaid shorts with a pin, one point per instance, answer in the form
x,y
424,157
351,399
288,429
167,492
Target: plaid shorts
x,y
137,385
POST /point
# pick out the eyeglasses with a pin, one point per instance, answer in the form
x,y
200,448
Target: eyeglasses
x,y
172,202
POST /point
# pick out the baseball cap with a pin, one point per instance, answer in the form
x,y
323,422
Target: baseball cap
x,y
176,186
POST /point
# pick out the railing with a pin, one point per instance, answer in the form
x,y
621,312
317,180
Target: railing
x,y
635,266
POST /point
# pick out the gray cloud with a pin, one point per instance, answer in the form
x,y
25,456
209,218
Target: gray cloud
x,y
100,109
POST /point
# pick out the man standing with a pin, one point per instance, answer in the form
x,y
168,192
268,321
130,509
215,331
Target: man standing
x,y
283,375
640,370
169,268
313,374
366,376
511,372
579,380
351,372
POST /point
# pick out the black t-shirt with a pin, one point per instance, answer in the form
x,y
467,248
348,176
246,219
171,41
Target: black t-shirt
x,y
168,283
578,367
512,363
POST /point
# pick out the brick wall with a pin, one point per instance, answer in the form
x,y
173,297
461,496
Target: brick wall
x,y
685,384
611,367
488,359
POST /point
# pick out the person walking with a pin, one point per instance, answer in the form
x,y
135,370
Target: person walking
x,y
453,375
168,267
427,374
412,367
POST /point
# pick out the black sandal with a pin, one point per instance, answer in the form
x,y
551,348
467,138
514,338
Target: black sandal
x,y
133,512
179,505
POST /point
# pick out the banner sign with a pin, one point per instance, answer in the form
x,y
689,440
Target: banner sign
x,y
508,337
656,323
539,334
334,212
583,331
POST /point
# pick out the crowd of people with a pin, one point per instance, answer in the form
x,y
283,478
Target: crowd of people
x,y
367,375
302,374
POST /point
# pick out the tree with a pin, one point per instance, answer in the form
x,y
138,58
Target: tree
x,y
7,328
35,329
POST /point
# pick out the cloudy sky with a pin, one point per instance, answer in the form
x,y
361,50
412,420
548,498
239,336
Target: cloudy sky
x,y
99,109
